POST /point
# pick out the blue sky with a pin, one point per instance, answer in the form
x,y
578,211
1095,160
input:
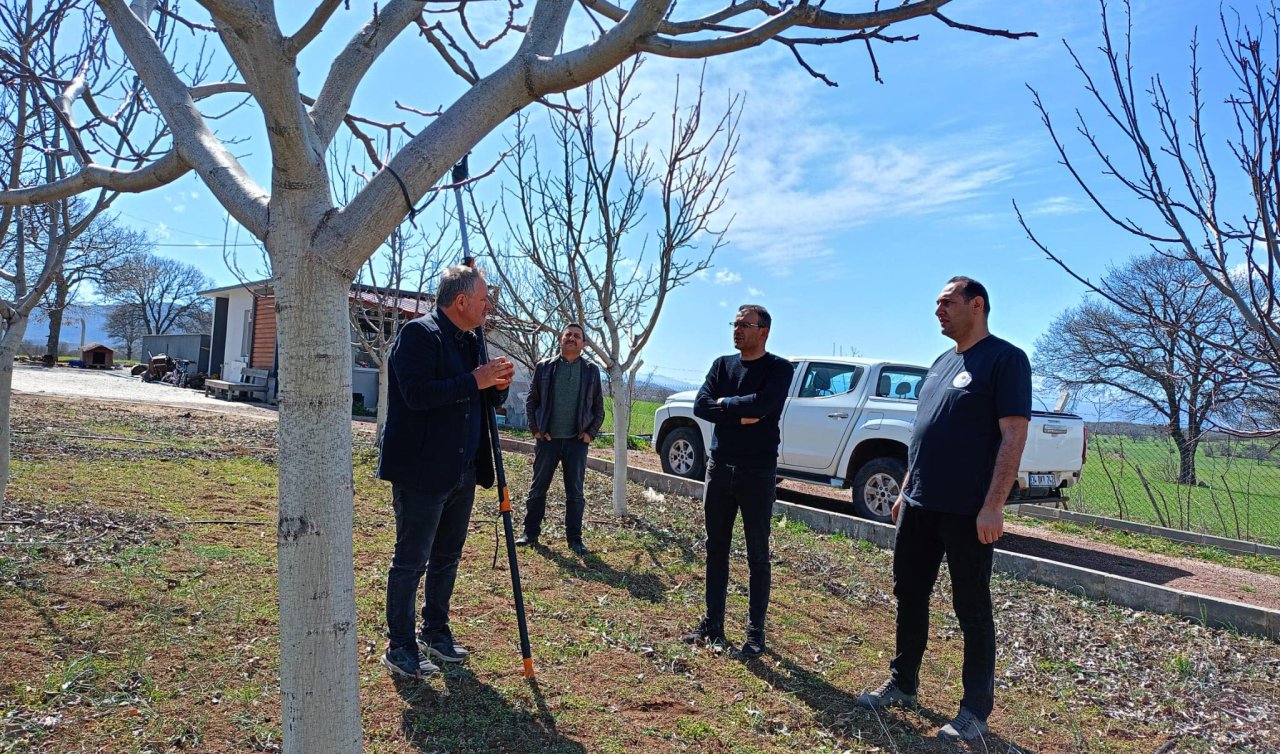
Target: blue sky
x,y
851,205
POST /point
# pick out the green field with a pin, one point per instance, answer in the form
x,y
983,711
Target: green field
x,y
1237,493
641,416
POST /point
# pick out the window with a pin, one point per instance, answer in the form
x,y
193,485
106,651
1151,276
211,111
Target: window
x,y
822,380
246,334
900,382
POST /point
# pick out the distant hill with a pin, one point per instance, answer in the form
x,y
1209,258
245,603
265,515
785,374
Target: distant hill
x,y
95,328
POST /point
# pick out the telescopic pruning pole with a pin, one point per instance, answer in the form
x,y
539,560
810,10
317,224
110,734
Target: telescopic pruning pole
x,y
504,497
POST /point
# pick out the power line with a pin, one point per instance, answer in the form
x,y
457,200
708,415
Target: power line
x,y
205,245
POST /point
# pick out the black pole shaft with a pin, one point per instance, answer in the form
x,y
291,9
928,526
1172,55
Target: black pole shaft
x,y
504,507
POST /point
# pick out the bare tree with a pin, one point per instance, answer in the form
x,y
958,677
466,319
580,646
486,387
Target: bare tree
x,y
1168,181
38,71
576,227
1159,363
316,247
165,292
126,326
90,257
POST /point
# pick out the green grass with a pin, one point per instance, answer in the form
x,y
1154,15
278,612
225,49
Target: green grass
x,y
641,416
1237,495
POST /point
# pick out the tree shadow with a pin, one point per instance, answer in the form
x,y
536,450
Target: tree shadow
x,y
665,541
1129,567
470,716
642,585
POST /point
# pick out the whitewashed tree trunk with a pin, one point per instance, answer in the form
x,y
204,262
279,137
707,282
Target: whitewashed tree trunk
x,y
8,349
621,424
319,682
382,398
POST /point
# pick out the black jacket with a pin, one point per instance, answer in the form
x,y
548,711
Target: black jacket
x,y
537,404
429,392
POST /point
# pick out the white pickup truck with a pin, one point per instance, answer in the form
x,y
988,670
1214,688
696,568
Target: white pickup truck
x,y
846,424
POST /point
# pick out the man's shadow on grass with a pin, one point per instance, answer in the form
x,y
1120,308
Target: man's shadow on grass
x,y
887,728
469,716
639,584
666,541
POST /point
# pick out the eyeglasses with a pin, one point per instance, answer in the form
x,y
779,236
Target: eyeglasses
x,y
741,325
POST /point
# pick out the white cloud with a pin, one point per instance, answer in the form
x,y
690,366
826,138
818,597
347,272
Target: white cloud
x,y
724,304
162,231
727,277
702,275
1056,205
753,291
179,208
803,178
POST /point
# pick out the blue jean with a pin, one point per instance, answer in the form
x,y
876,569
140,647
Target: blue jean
x,y
731,489
431,528
923,537
571,455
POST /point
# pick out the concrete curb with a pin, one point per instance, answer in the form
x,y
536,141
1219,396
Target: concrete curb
x,y
1085,582
1175,535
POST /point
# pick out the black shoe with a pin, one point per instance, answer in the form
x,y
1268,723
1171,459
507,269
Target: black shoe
x,y
966,727
754,645
708,633
405,663
888,695
440,645
527,539
579,548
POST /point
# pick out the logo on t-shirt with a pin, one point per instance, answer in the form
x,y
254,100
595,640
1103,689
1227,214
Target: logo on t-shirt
x,y
962,380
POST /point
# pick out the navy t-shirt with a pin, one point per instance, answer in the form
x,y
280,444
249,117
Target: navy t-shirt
x,y
957,429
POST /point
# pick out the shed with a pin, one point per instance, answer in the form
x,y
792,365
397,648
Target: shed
x,y
98,356
193,347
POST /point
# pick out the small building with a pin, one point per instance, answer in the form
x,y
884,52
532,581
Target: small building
x,y
98,356
192,347
244,334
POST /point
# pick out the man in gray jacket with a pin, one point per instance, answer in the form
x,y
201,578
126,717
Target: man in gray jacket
x,y
565,409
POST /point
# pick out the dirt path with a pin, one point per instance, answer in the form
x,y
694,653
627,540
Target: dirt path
x,y
1187,574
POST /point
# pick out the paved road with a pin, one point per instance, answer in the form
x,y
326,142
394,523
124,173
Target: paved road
x,y
118,385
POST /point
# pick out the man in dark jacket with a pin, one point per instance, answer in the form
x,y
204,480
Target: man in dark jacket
x,y
743,397
434,449
565,410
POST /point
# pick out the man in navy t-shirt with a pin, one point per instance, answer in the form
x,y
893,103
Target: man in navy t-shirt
x,y
966,444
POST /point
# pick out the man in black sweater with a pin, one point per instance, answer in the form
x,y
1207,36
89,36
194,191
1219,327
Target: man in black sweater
x,y
742,396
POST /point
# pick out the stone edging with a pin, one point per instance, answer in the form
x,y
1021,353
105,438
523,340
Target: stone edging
x,y
1175,535
1086,582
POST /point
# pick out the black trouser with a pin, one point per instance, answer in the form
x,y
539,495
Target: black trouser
x,y
923,538
431,528
728,490
571,455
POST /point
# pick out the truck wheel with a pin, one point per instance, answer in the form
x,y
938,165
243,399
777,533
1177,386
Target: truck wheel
x,y
876,486
682,453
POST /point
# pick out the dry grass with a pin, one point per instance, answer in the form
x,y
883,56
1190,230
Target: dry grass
x,y
126,629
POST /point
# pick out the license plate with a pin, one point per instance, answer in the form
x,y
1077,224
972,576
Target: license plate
x,y
1043,480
